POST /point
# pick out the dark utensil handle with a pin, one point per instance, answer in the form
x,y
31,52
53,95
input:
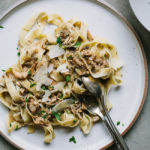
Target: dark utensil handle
x,y
118,139
121,141
113,135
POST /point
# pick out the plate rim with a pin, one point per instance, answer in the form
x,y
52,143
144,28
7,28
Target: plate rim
x,y
121,17
137,17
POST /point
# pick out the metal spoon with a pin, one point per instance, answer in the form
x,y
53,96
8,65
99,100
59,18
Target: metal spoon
x,y
99,92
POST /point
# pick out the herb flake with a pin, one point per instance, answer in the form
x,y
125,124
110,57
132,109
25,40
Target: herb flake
x,y
1,27
43,87
56,115
70,57
68,78
42,112
61,96
29,73
18,54
72,139
77,44
17,127
3,70
27,99
10,125
118,123
74,121
45,116
59,41
32,85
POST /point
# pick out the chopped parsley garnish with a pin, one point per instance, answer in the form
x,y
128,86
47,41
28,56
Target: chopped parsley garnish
x,y
42,112
17,127
10,125
68,78
1,27
118,123
61,96
44,87
72,139
17,48
32,85
3,70
70,57
77,44
56,115
74,121
45,116
29,72
59,41
27,99
18,54
52,87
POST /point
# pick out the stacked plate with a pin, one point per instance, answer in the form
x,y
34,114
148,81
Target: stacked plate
x,y
141,9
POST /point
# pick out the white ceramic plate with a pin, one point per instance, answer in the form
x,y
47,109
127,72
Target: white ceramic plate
x,y
127,101
141,9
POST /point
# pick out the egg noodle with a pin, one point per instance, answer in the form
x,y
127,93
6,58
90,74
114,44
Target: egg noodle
x,y
39,89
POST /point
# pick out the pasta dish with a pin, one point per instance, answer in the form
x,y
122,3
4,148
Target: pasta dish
x,y
39,90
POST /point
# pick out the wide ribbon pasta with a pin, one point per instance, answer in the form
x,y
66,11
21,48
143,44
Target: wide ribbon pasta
x,y
41,89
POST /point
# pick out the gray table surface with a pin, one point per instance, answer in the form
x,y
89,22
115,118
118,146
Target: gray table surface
x,y
138,138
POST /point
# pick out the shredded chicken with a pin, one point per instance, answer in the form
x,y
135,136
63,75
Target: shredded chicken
x,y
101,62
64,34
76,108
52,101
20,75
33,106
32,71
66,37
77,65
78,61
82,71
67,34
22,91
86,53
40,121
96,63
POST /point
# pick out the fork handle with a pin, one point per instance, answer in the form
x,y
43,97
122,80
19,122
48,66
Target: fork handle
x,y
112,134
119,141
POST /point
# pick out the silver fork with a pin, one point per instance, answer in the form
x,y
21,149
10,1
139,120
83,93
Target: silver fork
x,y
97,106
